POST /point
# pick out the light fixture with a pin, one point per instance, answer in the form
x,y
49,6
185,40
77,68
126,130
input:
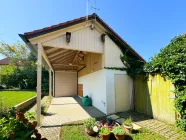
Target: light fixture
x,y
92,26
68,36
70,64
103,37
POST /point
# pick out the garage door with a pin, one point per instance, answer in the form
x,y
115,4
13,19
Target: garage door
x,y
122,92
65,83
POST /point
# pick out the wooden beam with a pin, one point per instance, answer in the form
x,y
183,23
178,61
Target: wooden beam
x,y
61,59
67,60
39,75
54,52
46,58
76,56
68,65
59,56
47,48
65,70
50,83
50,50
53,83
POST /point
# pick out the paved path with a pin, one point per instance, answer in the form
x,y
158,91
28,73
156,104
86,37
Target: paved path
x,y
63,110
168,131
67,109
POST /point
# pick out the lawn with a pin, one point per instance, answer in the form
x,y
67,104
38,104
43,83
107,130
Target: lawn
x,y
75,131
12,98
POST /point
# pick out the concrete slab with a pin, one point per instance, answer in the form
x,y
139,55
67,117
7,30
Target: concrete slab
x,y
121,120
114,117
63,110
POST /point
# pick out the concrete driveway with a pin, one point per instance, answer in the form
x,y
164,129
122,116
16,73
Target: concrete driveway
x,y
63,110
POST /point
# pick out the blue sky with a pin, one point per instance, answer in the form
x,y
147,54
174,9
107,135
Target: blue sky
x,y
144,24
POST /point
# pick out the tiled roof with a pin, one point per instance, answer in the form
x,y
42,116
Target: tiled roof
x,y
5,61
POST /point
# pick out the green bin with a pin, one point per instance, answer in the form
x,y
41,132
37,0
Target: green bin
x,y
86,101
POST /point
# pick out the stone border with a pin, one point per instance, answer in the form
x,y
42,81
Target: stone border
x,y
25,104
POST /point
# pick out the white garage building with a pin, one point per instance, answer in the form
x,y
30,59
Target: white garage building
x,y
77,54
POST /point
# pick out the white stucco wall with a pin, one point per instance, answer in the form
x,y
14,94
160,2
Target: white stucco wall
x,y
110,89
94,85
100,86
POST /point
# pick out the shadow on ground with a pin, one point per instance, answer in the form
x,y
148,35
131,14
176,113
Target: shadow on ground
x,y
91,110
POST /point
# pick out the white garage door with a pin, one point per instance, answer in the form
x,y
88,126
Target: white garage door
x,y
123,86
65,83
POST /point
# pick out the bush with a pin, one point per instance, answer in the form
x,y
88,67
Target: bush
x,y
104,131
171,63
1,87
8,112
90,123
128,122
18,127
118,130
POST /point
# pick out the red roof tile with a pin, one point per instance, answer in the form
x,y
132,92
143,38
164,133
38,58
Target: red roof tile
x,y
5,61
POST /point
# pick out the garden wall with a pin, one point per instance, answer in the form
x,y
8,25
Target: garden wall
x,y
25,104
154,97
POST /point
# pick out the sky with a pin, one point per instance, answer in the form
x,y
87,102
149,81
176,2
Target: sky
x,y
147,25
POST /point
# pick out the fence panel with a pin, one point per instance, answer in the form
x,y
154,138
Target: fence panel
x,y
154,97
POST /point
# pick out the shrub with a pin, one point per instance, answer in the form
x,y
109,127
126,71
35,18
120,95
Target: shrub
x,y
1,104
104,131
18,127
30,115
171,63
118,130
90,123
43,109
128,122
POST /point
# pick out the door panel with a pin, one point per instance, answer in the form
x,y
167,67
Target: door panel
x,y
65,83
80,90
122,93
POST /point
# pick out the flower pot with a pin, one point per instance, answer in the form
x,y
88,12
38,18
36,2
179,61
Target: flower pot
x,y
128,129
90,132
105,137
119,137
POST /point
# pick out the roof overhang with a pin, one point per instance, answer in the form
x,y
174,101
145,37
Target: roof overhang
x,y
124,46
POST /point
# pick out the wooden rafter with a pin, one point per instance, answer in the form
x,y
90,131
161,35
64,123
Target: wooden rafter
x,y
58,52
50,50
73,64
67,60
54,52
69,56
61,55
47,48
66,70
75,56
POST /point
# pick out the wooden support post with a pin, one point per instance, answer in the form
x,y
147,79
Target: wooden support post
x,y
50,83
53,83
39,74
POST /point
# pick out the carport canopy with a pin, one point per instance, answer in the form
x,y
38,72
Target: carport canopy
x,y
65,59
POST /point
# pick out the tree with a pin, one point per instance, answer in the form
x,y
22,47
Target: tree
x,y
22,71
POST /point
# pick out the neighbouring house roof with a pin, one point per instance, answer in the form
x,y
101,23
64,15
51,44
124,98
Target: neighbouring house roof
x,y
5,61
112,34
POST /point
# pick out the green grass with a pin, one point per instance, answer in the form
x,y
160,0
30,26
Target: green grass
x,y
75,131
12,98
